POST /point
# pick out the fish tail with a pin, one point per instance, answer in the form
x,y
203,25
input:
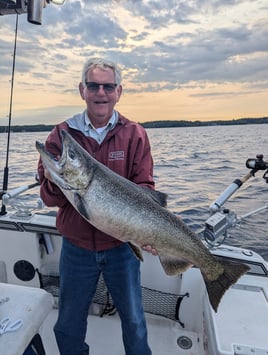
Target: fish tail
x,y
216,288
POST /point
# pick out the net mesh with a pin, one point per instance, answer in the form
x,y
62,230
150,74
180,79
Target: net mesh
x,y
154,301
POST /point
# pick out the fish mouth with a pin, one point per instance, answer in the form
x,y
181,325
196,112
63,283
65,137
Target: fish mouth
x,y
49,160
53,165
58,167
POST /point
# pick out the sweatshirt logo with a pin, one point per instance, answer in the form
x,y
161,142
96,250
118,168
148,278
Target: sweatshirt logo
x,y
117,155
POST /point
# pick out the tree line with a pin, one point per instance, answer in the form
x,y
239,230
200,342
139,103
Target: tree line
x,y
151,124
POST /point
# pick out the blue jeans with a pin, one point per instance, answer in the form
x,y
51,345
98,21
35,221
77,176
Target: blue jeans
x,y
79,273
29,351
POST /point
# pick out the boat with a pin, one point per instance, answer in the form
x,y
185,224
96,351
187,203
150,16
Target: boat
x,y
179,316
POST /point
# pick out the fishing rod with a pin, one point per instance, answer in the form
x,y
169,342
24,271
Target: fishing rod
x,y
221,219
6,169
4,195
34,11
255,165
15,192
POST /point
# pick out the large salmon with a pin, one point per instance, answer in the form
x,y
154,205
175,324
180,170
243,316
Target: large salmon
x,y
132,214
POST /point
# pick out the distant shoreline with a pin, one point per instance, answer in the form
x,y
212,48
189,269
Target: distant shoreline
x,y
152,124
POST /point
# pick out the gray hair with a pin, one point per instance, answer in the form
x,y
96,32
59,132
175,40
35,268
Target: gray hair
x,y
103,64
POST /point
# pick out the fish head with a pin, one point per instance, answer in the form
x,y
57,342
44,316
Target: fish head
x,y
74,169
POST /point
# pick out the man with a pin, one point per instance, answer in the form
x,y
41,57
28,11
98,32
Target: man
x,y
124,147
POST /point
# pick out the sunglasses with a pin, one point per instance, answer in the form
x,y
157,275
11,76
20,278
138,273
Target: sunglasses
x,y
95,87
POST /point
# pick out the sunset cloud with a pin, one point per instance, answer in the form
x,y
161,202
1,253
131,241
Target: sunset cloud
x,y
196,60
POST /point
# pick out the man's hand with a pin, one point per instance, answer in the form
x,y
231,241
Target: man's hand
x,y
149,249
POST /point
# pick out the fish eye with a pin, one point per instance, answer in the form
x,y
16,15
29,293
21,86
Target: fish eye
x,y
71,153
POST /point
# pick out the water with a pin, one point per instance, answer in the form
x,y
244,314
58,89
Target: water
x,y
193,165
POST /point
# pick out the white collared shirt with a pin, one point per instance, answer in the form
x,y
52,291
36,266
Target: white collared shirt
x,y
83,124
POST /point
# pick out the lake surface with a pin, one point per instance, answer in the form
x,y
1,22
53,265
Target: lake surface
x,y
193,165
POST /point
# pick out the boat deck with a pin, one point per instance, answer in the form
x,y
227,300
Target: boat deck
x,y
104,336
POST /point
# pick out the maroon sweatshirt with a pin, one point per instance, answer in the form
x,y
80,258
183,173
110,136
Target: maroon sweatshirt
x,y
125,150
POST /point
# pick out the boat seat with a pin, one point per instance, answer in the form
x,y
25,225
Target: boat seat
x,y
232,330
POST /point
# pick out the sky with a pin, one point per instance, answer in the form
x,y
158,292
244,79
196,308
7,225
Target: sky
x,y
193,60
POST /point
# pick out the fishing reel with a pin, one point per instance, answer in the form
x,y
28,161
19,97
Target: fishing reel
x,y
217,226
258,164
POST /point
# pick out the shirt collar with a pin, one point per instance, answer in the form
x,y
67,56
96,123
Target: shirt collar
x,y
109,126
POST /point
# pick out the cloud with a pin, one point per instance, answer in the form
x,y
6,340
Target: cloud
x,y
160,46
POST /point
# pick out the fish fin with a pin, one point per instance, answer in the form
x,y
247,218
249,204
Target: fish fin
x,y
80,206
216,289
136,250
157,196
173,265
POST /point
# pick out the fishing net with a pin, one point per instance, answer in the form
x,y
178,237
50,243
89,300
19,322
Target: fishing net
x,y
154,301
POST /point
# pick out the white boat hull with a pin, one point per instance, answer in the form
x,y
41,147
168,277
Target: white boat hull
x,y
179,317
